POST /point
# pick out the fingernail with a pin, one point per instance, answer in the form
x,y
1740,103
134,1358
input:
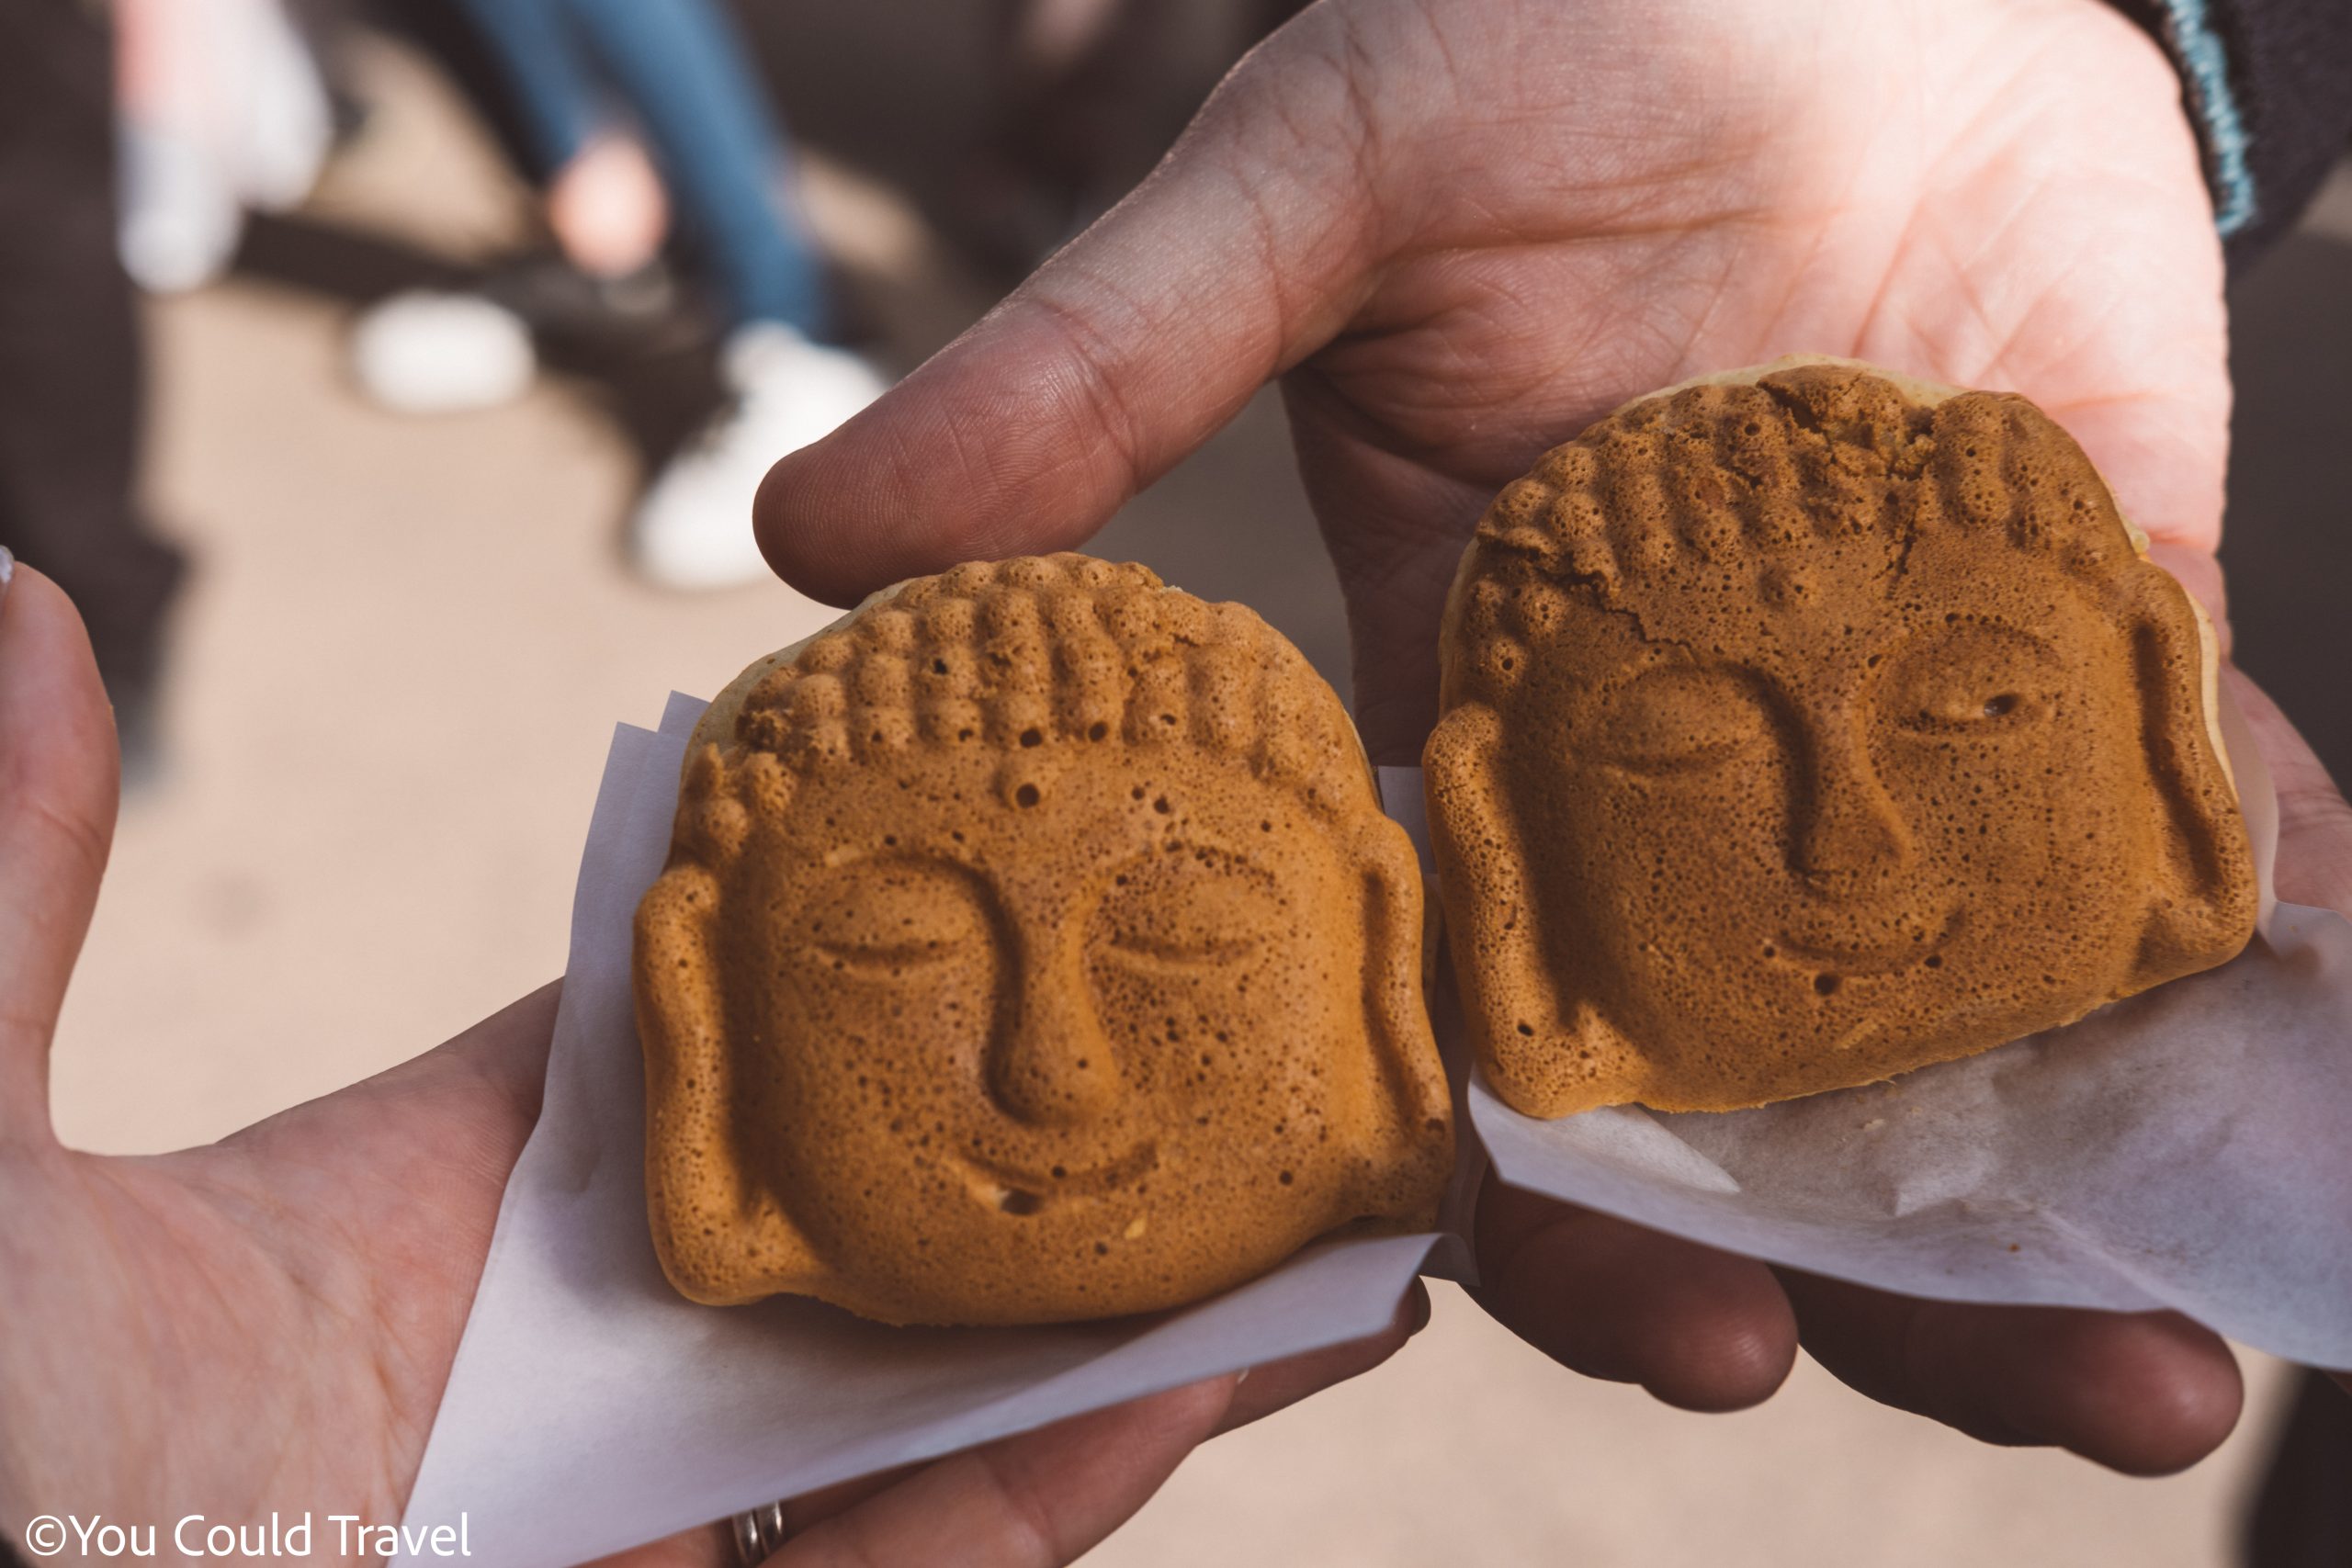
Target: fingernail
x,y
7,569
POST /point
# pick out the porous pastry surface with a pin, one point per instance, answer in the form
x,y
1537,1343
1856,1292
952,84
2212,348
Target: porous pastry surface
x,y
1033,947
1803,727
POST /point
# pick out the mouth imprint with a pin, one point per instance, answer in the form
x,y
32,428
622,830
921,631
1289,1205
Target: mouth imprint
x,y
1839,963
1023,1192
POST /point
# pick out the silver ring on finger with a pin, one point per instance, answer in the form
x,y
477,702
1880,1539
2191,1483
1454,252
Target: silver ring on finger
x,y
759,1533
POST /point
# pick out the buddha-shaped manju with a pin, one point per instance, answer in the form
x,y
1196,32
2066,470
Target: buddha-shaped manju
x,y
1805,726
1033,947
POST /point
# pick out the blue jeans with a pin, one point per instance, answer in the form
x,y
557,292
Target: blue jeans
x,y
678,67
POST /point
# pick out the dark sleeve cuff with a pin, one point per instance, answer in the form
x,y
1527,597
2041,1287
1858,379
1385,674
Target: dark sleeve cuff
x,y
2268,85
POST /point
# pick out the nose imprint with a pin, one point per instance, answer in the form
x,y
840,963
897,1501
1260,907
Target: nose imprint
x,y
1050,1064
1850,835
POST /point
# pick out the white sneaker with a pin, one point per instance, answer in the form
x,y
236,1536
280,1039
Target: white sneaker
x,y
424,352
693,529
283,127
229,114
180,222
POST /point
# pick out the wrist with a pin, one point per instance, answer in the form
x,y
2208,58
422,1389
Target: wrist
x,y
2186,31
2267,87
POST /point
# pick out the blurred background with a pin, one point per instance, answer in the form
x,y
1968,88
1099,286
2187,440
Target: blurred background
x,y
415,463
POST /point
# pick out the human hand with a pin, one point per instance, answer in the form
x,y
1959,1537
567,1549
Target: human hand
x,y
608,207
267,1323
1460,232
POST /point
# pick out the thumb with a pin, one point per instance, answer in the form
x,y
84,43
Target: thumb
x,y
57,807
1113,361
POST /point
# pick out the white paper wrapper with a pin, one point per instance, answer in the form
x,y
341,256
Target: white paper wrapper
x,y
2186,1147
593,1408
2189,1147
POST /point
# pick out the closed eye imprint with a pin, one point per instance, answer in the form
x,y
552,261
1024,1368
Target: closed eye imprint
x,y
888,960
1679,718
1148,951
1188,907
890,919
1976,681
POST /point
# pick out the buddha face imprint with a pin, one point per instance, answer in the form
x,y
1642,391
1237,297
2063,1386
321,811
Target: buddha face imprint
x,y
1870,805
1019,1020
1803,820
1064,1027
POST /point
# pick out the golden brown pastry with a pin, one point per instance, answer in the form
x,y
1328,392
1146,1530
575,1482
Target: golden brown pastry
x,y
1033,947
1805,725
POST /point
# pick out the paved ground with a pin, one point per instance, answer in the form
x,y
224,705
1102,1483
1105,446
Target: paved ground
x,y
399,669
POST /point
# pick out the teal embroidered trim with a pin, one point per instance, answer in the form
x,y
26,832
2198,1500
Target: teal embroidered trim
x,y
2205,65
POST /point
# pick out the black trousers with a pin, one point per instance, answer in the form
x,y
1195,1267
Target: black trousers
x,y
69,342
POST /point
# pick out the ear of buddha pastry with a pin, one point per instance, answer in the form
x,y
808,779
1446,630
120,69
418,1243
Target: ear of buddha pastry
x,y
1545,1055
1408,1064
719,1242
2204,904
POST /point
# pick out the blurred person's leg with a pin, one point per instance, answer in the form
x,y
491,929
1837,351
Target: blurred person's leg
x,y
677,71
522,65
221,109
69,347
681,71
527,66
446,31
534,51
